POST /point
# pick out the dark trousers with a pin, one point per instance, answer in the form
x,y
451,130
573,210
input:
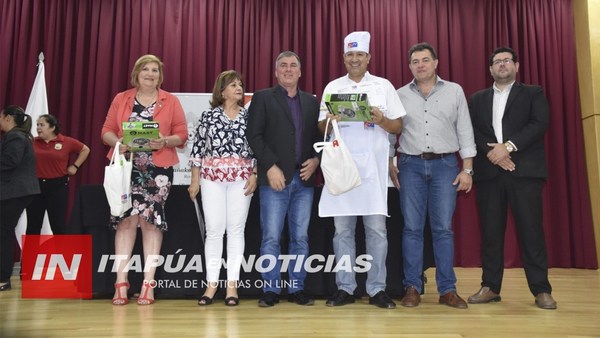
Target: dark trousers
x,y
10,212
54,196
524,195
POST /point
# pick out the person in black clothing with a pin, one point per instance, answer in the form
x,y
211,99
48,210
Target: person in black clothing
x,y
18,183
509,121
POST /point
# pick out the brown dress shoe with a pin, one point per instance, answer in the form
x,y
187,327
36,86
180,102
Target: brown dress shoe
x,y
545,301
412,297
452,299
484,295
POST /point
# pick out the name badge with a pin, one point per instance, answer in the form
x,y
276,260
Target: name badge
x,y
58,146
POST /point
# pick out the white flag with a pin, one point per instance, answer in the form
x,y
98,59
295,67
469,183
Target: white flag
x,y
38,101
36,106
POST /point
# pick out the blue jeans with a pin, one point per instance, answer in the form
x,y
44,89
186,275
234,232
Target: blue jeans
x,y
295,201
344,244
426,189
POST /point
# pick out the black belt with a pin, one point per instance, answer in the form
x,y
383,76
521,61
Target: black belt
x,y
432,156
54,180
53,183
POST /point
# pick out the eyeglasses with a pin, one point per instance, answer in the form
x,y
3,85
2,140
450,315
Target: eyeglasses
x,y
500,62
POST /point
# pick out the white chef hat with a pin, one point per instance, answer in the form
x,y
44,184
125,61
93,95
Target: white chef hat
x,y
357,41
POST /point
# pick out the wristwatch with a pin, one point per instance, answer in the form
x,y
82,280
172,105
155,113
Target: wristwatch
x,y
509,147
469,171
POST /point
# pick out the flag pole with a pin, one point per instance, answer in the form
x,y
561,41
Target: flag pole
x,y
37,104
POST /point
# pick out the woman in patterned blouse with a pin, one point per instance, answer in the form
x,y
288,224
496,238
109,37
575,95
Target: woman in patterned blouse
x,y
223,165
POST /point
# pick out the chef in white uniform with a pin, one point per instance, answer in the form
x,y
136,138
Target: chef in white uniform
x,y
369,145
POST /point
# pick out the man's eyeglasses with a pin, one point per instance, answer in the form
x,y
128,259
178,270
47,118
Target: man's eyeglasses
x,y
502,62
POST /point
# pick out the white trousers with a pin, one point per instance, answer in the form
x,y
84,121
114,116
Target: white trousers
x,y
225,209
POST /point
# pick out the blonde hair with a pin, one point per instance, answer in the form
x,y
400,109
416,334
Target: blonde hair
x,y
140,63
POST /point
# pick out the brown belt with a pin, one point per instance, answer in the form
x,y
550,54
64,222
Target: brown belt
x,y
432,156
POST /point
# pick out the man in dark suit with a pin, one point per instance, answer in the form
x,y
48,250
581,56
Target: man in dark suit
x,y
282,127
510,120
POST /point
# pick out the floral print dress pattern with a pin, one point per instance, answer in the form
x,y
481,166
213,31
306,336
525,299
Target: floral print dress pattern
x,y
150,185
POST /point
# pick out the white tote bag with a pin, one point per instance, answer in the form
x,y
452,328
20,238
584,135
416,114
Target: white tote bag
x,y
337,165
117,183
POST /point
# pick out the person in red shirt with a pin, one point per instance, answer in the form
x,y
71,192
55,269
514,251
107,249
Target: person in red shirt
x,y
53,152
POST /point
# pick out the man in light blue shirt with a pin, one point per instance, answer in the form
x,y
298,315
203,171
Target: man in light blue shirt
x,y
437,125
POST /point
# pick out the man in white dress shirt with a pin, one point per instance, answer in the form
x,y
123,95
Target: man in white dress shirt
x,y
369,145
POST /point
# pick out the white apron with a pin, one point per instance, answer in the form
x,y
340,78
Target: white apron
x,y
369,148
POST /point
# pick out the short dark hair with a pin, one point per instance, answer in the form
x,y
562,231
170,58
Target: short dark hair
x,y
287,53
223,80
421,47
503,50
52,122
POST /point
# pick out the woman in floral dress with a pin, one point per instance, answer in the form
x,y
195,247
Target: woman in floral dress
x,y
152,173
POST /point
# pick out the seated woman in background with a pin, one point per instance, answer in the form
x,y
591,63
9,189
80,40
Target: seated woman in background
x,y
223,165
53,151
18,183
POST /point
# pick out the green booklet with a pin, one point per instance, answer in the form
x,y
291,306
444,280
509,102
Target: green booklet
x,y
137,135
352,107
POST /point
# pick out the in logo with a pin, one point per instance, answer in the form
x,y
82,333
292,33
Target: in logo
x,y
57,266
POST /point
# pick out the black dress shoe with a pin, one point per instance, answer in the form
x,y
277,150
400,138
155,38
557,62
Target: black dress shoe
x,y
301,298
5,286
268,299
382,300
339,298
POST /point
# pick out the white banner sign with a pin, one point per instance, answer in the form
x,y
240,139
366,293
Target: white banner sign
x,y
193,105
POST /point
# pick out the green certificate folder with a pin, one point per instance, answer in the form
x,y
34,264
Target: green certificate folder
x,y
137,135
352,107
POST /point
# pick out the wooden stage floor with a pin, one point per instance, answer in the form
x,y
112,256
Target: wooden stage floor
x,y
576,291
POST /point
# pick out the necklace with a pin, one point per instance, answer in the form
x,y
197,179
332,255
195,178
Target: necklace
x,y
145,101
232,114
